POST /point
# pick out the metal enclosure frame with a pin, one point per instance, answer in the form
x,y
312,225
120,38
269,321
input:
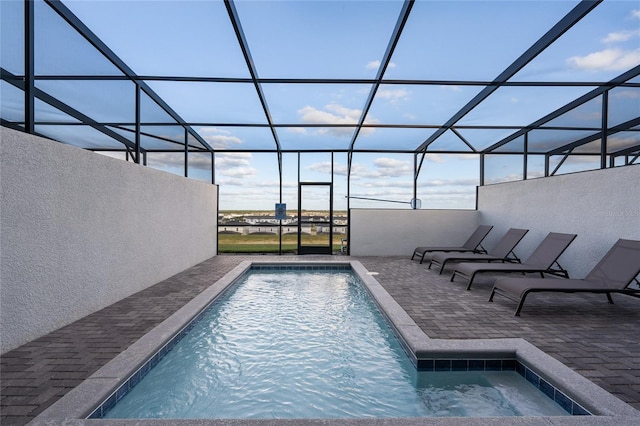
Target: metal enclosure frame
x,y
130,134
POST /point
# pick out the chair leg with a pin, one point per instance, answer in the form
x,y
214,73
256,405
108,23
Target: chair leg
x,y
470,281
609,298
493,292
422,258
519,308
520,304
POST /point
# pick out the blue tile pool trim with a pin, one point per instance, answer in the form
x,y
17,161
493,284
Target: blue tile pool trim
x,y
568,404
545,387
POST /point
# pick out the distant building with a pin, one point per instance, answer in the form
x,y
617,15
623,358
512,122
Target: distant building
x,y
268,224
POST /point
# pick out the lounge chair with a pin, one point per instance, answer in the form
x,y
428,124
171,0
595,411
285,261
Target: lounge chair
x,y
500,252
542,260
613,274
473,244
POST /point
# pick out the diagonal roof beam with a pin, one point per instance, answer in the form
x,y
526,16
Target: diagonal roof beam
x,y
622,78
386,59
72,112
627,151
583,141
569,20
242,40
82,29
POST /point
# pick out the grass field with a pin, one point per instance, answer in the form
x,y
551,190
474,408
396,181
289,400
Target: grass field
x,y
236,243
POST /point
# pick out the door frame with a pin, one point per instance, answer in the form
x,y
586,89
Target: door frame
x,y
315,249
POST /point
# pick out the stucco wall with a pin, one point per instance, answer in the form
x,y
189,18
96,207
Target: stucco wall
x,y
599,206
80,231
392,232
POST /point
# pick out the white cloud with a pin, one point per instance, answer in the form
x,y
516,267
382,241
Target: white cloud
x,y
323,167
436,158
227,160
449,182
166,160
393,95
443,158
452,88
621,36
290,184
607,60
383,168
621,141
219,138
635,14
506,178
298,130
371,187
473,157
626,94
200,161
389,167
374,65
269,184
334,114
242,172
235,166
358,171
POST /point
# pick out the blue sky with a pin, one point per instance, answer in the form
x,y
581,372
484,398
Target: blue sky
x,y
442,40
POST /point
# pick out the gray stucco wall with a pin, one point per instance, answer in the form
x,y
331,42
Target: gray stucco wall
x,y
392,232
599,206
80,231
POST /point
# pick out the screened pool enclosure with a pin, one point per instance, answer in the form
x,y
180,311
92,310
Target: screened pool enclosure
x,y
331,105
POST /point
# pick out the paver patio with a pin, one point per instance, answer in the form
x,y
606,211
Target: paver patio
x,y
599,340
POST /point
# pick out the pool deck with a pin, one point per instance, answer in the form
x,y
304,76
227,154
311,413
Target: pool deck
x,y
598,340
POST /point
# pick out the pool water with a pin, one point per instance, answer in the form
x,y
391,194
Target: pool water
x,y
300,344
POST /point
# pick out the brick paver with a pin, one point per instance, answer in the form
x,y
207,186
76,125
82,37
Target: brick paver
x,y
599,340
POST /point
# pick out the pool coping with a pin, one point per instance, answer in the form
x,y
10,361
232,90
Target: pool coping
x,y
81,401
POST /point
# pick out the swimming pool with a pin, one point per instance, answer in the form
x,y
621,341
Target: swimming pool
x,y
304,343
431,355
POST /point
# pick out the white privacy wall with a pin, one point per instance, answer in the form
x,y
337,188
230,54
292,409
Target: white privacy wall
x,y
80,231
599,206
394,232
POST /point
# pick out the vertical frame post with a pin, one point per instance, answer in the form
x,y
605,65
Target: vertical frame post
x,y
29,67
331,206
186,152
525,155
603,138
415,176
547,159
137,135
299,205
280,227
213,168
349,203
